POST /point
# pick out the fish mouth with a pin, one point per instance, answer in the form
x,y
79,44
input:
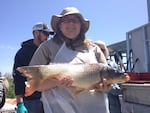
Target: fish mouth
x,y
127,77
123,79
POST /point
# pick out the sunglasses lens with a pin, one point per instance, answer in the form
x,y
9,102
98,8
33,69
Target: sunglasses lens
x,y
68,20
45,33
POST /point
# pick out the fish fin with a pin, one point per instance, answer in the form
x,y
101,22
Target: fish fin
x,y
28,89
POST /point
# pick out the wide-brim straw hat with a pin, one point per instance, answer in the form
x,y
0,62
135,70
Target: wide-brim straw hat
x,y
67,11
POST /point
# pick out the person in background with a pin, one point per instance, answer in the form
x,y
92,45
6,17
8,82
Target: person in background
x,y
118,59
30,104
113,94
70,45
103,47
3,89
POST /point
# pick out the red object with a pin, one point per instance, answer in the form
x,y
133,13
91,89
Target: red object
x,y
141,78
145,76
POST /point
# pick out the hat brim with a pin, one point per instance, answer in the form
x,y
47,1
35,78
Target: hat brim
x,y
56,18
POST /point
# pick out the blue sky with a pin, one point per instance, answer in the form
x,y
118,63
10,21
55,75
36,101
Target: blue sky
x,y
109,21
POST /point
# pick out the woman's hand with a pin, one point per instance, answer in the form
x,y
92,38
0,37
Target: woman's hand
x,y
103,86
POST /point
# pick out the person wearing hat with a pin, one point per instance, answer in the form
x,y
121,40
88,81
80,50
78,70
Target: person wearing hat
x,y
70,45
30,104
113,94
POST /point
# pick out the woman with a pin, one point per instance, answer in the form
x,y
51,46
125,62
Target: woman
x,y
71,46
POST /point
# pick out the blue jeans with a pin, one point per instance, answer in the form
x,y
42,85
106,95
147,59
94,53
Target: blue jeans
x,y
34,106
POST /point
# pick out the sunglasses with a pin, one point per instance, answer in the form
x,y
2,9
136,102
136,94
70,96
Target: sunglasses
x,y
68,20
45,33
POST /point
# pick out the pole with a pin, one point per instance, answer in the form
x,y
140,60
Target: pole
x,y
148,8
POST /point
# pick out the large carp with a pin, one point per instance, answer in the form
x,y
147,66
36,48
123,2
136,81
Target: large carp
x,y
85,76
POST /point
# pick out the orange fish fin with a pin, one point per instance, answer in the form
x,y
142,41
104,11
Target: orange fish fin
x,y
29,89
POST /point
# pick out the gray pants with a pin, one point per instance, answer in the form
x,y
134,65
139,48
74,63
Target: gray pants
x,y
114,103
34,106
